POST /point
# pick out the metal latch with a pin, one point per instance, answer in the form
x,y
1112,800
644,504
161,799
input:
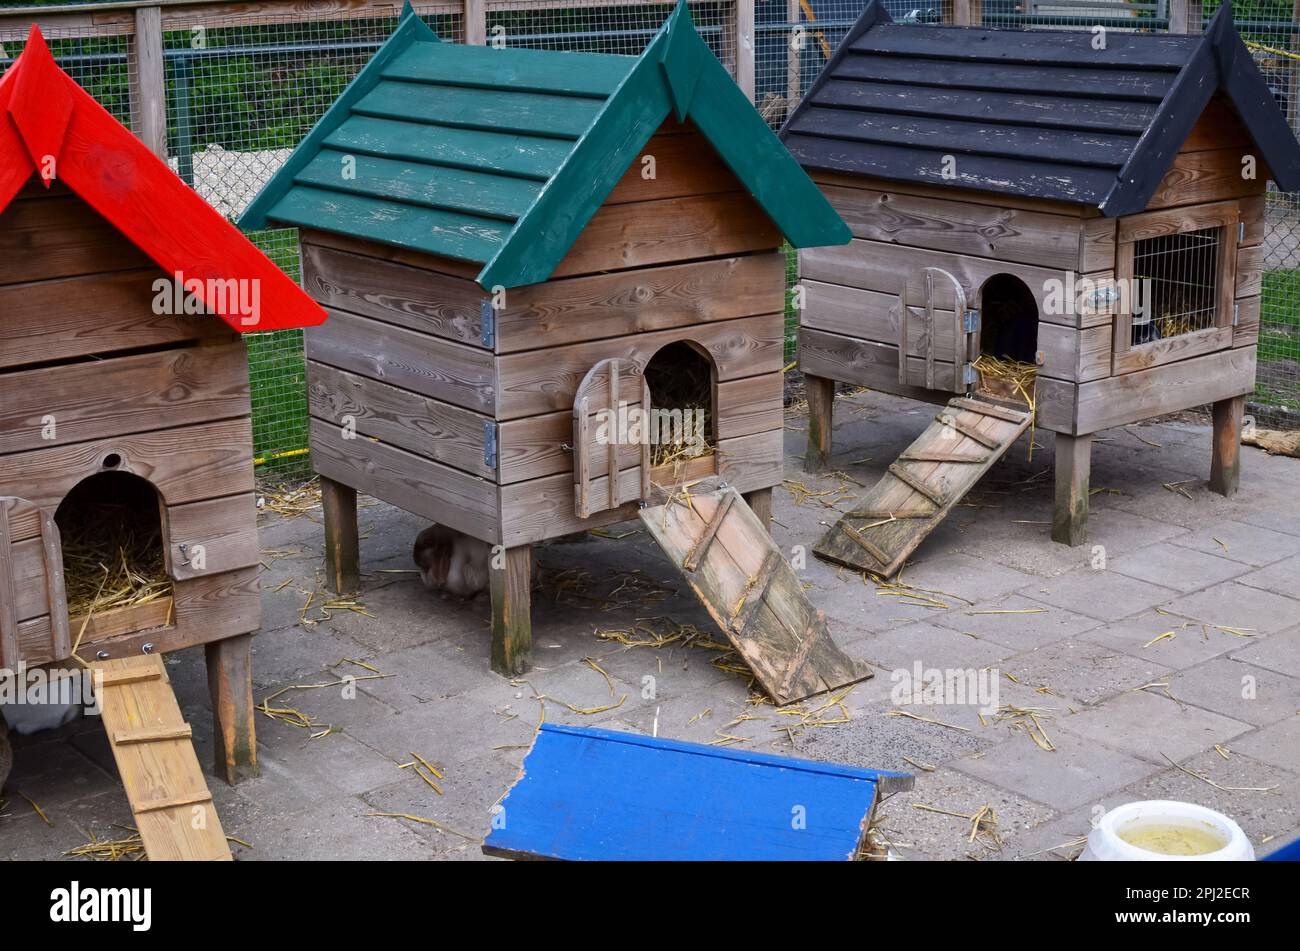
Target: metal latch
x,y
970,321
1236,314
488,323
490,444
1241,231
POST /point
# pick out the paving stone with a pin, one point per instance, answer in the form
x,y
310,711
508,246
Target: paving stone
x,y
922,834
932,646
1172,566
53,773
875,739
1279,652
1078,772
1106,595
1246,543
1219,685
1147,725
964,575
327,828
1040,625
1259,813
1192,643
1082,671
1282,577
1277,744
1238,606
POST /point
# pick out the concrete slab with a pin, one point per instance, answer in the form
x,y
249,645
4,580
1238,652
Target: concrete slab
x,y
1150,726
1238,606
1279,652
1172,566
1080,671
1105,595
1237,690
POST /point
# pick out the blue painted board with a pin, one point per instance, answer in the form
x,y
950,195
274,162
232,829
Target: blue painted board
x,y
588,794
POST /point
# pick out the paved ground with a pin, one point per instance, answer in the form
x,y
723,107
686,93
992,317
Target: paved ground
x,y
1119,710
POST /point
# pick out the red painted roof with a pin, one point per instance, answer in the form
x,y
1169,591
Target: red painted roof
x,y
52,128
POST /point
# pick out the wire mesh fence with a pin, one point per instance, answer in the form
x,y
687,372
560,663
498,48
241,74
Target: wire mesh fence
x,y
242,88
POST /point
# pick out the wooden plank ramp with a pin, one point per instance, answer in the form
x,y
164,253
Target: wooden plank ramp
x,y
666,800
729,560
923,485
169,796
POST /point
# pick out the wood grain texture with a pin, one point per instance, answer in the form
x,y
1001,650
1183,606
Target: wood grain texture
x,y
185,464
1076,354
427,427
1225,463
128,394
97,314
742,574
1070,508
684,164
169,796
230,685
1210,175
419,299
539,509
541,380
674,229
413,483
211,537
342,548
867,363
821,405
431,366
512,629
654,298
60,236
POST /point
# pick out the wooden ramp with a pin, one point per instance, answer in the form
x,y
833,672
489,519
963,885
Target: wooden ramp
x,y
731,563
664,800
923,485
151,742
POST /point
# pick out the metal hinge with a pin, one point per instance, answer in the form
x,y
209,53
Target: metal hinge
x,y
969,375
1104,296
1236,314
488,323
1241,231
490,444
970,321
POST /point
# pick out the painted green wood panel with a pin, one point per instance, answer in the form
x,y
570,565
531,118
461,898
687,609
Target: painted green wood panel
x,y
541,71
519,155
406,226
452,189
519,112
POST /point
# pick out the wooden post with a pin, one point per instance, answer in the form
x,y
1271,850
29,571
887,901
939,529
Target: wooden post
x,y
149,81
342,549
760,501
230,684
1073,466
1184,16
794,57
821,400
476,22
964,13
1225,464
744,28
512,623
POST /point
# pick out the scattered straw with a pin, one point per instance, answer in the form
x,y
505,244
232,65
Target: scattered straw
x,y
1028,720
36,808
917,716
422,821
1206,779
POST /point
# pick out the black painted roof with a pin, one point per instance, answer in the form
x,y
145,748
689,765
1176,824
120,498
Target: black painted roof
x,y
1043,114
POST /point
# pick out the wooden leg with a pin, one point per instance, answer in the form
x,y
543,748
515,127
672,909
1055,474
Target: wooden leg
x,y
512,623
342,551
230,683
1225,466
821,398
1073,466
760,500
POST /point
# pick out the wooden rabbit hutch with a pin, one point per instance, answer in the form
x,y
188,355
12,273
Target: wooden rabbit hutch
x,y
124,400
1093,209
507,239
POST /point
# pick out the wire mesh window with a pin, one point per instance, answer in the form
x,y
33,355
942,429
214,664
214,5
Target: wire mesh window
x,y
1178,284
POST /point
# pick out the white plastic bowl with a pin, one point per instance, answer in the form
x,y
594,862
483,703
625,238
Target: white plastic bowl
x,y
1105,844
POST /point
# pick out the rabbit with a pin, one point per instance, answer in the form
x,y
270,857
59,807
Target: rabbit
x,y
26,718
6,754
452,561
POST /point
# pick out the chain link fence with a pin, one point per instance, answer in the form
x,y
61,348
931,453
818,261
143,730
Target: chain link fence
x,y
242,88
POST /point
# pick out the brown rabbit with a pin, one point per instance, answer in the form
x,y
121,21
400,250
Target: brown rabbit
x,y
452,561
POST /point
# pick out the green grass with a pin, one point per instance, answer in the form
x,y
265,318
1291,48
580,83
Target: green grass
x,y
1279,339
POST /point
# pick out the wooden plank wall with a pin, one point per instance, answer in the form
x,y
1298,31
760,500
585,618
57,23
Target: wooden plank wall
x,y
850,323
88,371
403,362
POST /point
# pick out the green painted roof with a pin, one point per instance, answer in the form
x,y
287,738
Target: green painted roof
x,y
501,156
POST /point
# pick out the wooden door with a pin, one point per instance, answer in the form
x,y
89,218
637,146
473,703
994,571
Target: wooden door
x,y
923,485
935,301
731,563
33,604
610,456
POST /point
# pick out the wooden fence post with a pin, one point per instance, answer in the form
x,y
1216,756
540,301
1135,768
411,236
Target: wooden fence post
x,y
1184,16
744,29
476,22
149,81
794,57
965,13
